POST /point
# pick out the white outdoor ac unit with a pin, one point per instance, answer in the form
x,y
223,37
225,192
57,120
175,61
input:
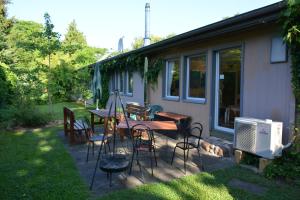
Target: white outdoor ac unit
x,y
260,137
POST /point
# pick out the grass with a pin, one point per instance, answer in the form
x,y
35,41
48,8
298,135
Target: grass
x,y
79,109
35,165
208,186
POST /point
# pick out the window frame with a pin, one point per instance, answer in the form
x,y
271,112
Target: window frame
x,y
166,75
186,81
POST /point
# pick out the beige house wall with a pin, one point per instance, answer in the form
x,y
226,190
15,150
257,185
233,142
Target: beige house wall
x,y
138,92
265,93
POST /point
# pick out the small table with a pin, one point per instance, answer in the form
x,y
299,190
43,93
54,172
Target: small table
x,y
182,121
102,114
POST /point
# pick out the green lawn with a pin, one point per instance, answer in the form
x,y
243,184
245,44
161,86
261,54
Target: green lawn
x,y
79,109
35,165
208,186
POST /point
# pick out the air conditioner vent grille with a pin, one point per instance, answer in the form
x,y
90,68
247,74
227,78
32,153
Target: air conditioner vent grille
x,y
245,134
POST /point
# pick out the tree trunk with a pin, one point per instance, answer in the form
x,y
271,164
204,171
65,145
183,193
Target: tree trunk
x,y
48,86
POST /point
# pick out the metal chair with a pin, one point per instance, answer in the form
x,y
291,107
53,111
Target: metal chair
x,y
154,109
194,131
92,138
143,141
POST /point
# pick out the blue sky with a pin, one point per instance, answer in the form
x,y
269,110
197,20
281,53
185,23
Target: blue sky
x,y
103,22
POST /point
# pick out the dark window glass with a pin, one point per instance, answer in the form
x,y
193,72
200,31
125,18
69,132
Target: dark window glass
x,y
196,76
173,78
130,83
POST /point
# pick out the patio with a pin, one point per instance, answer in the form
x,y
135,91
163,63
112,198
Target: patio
x,y
162,173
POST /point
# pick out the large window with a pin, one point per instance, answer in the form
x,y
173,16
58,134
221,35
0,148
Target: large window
x,y
172,79
195,77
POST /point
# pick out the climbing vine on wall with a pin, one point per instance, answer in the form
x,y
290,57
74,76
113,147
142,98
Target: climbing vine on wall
x,y
132,63
290,20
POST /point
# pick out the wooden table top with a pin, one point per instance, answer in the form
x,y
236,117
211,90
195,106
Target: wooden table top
x,y
171,115
154,125
103,113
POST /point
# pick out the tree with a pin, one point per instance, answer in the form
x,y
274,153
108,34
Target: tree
x,y
5,73
52,45
74,39
139,41
27,61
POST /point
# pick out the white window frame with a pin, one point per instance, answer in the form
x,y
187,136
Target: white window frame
x,y
167,79
187,81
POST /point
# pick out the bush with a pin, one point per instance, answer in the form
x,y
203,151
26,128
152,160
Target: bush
x,y
286,167
26,116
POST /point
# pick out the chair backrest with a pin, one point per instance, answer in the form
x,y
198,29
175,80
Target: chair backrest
x,y
141,133
154,109
194,131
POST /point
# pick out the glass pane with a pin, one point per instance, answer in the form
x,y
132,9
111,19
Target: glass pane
x,y
130,82
122,82
229,86
197,76
173,78
112,83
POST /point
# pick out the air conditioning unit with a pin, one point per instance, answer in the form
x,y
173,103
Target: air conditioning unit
x,y
260,137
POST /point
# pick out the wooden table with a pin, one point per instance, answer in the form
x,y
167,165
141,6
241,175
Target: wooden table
x,y
154,125
173,116
102,114
181,121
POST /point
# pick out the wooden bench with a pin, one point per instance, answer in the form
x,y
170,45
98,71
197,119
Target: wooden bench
x,y
72,126
140,112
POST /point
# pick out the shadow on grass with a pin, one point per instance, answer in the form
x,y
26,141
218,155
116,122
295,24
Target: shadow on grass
x,y
35,165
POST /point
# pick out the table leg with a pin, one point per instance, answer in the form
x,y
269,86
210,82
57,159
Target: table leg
x,y
92,122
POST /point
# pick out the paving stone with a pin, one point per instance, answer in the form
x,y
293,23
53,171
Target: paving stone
x,y
164,172
249,187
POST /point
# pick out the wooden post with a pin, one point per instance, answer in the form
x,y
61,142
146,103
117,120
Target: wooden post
x,y
263,163
72,134
238,154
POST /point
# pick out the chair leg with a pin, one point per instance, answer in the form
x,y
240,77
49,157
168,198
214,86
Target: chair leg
x,y
184,161
88,152
110,178
201,162
93,148
108,145
137,157
150,151
173,155
131,161
155,156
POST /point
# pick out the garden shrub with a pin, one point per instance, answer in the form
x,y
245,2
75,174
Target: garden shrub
x,y
286,167
23,115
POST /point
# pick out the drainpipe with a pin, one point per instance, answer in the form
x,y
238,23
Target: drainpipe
x,y
146,42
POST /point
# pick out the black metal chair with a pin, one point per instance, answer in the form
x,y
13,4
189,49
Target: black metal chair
x,y
154,109
194,131
92,138
143,141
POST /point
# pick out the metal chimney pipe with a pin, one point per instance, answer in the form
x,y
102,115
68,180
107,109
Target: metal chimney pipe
x,y
147,25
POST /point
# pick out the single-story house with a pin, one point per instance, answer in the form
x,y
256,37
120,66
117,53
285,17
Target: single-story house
x,y
235,67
